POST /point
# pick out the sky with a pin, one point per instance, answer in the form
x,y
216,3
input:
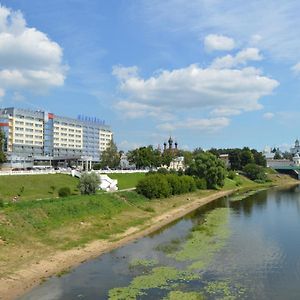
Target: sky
x,y
212,73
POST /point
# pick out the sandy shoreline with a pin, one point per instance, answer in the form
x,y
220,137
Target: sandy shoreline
x,y
24,280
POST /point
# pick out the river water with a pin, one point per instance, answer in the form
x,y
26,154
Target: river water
x,y
228,249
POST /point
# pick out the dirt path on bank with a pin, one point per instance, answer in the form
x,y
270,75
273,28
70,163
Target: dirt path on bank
x,y
24,280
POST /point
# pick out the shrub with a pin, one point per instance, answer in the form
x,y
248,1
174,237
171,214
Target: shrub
x,y
154,186
89,183
255,172
200,183
1,203
64,192
163,171
180,172
231,175
174,183
187,184
149,209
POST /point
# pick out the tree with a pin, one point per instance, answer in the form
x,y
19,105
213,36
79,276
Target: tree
x,y
188,158
144,157
110,157
235,159
166,157
255,172
259,158
89,183
246,157
208,166
277,155
2,141
287,155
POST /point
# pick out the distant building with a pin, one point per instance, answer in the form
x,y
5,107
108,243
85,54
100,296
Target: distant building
x,y
267,152
42,137
170,145
296,148
225,159
177,163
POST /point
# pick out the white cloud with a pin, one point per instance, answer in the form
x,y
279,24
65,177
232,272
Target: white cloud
x,y
127,145
214,42
241,58
18,97
255,39
276,21
212,124
268,115
134,110
28,58
230,91
225,112
296,68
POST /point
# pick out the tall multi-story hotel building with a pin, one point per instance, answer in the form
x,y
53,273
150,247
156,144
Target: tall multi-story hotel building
x,y
40,136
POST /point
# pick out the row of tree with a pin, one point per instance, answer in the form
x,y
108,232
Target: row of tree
x,y
239,158
148,157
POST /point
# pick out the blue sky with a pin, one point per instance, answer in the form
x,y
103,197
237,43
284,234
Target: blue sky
x,y
212,73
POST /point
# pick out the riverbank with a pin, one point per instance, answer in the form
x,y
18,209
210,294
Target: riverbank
x,y
155,214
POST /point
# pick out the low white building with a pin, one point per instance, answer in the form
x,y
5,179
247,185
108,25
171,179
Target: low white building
x,y
177,164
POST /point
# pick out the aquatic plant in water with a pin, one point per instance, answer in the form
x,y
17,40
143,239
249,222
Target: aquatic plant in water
x,y
224,290
178,295
143,263
239,197
160,277
197,250
205,240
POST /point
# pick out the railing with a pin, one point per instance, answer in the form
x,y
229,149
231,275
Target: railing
x,y
120,171
40,172
32,172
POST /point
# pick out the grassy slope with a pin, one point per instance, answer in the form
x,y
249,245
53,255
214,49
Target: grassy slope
x,y
126,181
35,186
31,228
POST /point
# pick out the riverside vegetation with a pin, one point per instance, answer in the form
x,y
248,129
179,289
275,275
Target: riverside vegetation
x,y
31,228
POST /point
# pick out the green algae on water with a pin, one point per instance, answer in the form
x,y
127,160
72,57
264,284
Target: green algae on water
x,y
242,196
178,295
143,263
224,290
205,240
160,277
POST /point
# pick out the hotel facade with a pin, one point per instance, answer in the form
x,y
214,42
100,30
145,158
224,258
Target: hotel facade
x,y
36,137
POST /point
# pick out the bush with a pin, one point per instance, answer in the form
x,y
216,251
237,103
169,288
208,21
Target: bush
x,y
64,192
231,175
89,183
187,184
174,184
163,171
200,183
154,186
1,203
255,172
160,186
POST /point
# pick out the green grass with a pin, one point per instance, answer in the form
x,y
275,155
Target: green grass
x,y
30,187
238,181
127,180
38,218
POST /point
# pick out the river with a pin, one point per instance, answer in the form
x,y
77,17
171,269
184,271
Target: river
x,y
228,249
